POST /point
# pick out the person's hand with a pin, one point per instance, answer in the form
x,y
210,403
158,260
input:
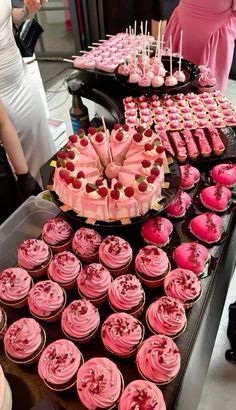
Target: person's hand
x,y
34,5
28,185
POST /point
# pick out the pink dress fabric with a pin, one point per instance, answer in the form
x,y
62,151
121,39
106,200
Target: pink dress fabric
x,y
209,30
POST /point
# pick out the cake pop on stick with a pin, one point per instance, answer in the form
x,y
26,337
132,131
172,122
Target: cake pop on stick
x,y
179,75
170,80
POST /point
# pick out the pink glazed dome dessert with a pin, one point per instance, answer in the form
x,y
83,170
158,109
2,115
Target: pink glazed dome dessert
x,y
179,205
47,300
215,198
115,254
93,283
24,341
192,256
99,384
166,316
15,284
143,395
122,334
224,174
64,269
189,177
126,294
183,285
152,265
85,244
3,323
59,363
157,231
80,321
207,227
57,233
34,255
158,359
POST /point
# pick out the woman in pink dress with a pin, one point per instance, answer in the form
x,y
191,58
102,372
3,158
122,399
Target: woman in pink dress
x,y
209,31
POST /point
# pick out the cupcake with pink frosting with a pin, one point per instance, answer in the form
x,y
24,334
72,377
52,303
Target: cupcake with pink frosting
x,y
115,254
158,359
166,316
99,384
24,341
85,244
126,294
57,233
59,363
93,283
80,321
143,395
15,284
192,256
47,300
206,80
152,265
3,323
122,334
157,231
34,255
183,285
64,269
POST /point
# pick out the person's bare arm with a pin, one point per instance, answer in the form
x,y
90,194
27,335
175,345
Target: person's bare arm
x,y
27,12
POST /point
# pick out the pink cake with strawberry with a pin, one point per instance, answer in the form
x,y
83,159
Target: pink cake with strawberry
x,y
15,284
93,283
57,233
224,174
85,244
111,176
207,227
152,265
189,176
183,284
141,394
64,269
192,256
157,231
216,198
179,205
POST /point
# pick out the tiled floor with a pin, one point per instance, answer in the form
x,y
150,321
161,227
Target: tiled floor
x,y
219,391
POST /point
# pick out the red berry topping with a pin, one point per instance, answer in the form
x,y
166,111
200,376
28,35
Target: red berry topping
x,y
70,166
137,137
137,176
71,154
81,132
148,147
84,142
159,161
99,137
77,184
58,164
146,163
117,127
99,182
160,149
69,145
142,187
126,127
115,194
63,173
155,171
81,174
103,192
151,178
148,133
89,188
119,136
92,130
140,129
68,179
73,138
129,191
118,185
61,154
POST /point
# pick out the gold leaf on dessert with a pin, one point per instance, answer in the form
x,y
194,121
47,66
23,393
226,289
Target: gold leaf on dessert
x,y
65,208
125,221
50,187
170,160
90,221
53,163
165,184
156,206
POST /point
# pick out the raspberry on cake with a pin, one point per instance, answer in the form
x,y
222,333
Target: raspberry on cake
x,y
141,394
192,256
93,283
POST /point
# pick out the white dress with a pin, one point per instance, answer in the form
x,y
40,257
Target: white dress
x,y
21,98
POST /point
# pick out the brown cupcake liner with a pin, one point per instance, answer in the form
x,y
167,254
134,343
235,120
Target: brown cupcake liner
x,y
154,381
85,339
34,357
119,271
189,304
210,89
154,282
54,316
37,273
95,301
87,259
135,312
3,325
60,248
66,386
20,303
154,332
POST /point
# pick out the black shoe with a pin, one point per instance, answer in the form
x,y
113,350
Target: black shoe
x,y
230,355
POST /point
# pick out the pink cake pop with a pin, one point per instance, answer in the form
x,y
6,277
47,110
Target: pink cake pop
x,y
170,80
179,75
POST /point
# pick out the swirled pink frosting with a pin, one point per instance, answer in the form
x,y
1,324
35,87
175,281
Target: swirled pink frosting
x,y
182,284
80,318
32,253
125,292
56,230
141,395
45,298
59,362
121,333
99,383
15,284
166,316
152,261
86,241
64,267
158,359
94,280
115,252
192,256
23,338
